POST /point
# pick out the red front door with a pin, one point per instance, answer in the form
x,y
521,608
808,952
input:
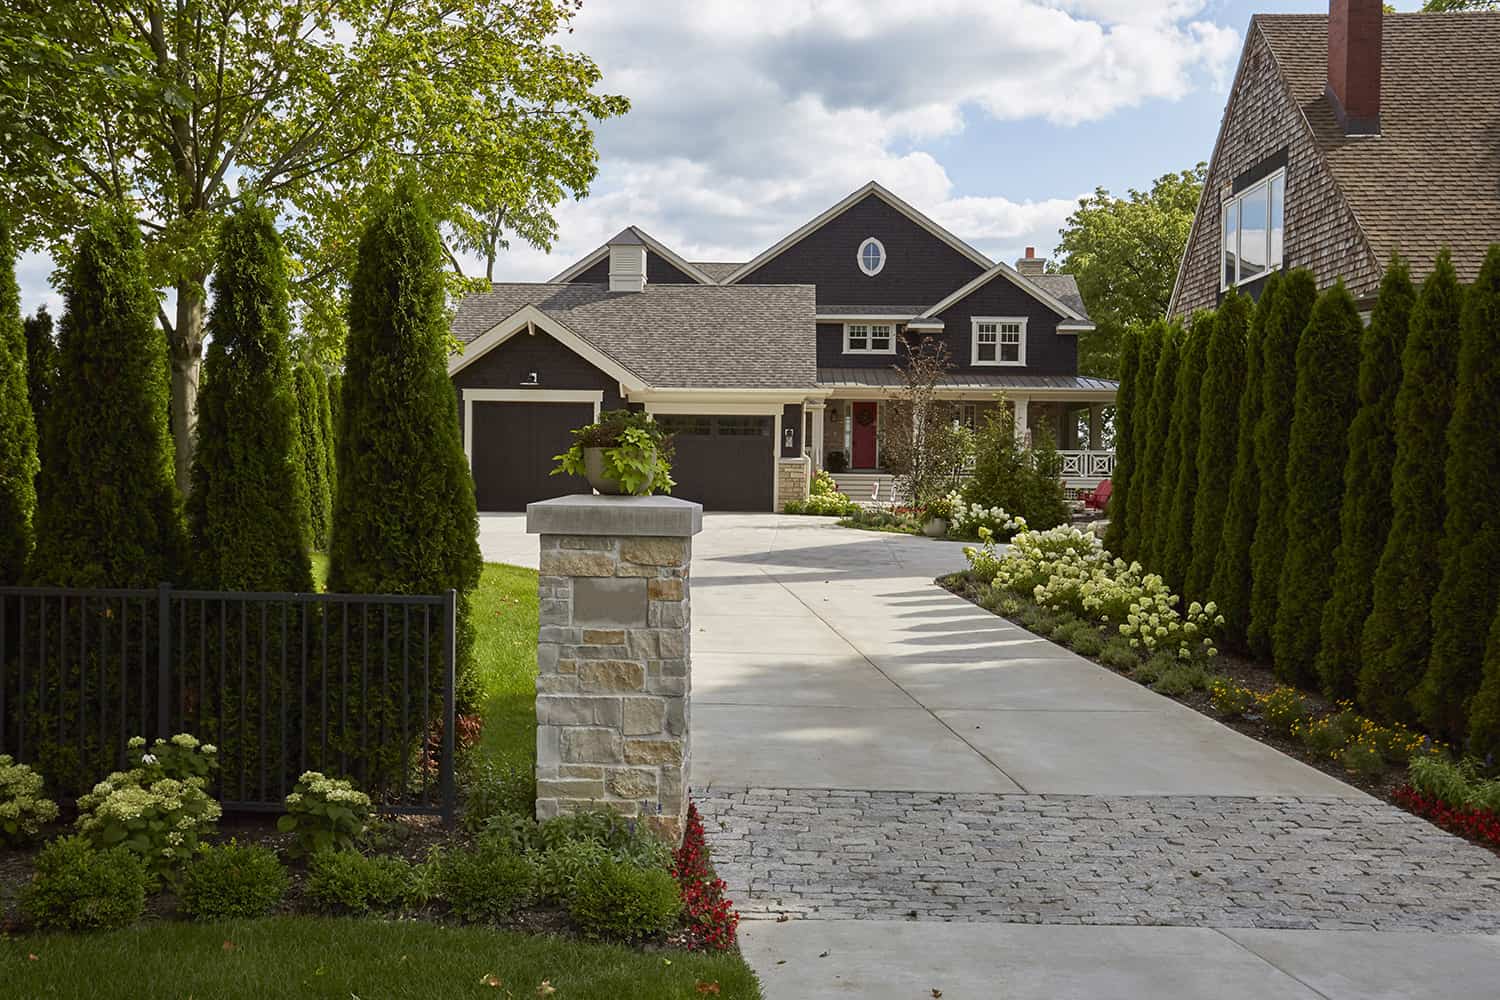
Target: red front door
x,y
866,416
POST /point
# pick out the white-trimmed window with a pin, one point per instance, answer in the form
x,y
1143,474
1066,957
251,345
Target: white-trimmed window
x,y
869,338
871,256
1252,224
999,340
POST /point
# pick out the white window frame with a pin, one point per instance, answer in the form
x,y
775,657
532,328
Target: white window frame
x,y
859,256
869,336
1019,321
1236,200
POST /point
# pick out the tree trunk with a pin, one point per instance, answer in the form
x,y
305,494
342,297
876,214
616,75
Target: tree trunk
x,y
186,348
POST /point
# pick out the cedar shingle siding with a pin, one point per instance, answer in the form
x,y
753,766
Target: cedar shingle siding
x,y
557,367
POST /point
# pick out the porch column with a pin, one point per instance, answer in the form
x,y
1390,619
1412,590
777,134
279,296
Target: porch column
x,y
1023,428
1096,427
815,440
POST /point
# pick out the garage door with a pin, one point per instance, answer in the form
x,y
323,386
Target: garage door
x,y
724,463
513,445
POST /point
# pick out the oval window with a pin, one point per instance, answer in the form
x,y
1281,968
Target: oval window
x,y
871,256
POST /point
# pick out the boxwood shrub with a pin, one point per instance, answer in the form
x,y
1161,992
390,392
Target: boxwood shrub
x,y
231,881
77,888
622,902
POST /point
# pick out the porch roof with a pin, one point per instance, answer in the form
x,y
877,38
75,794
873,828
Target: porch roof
x,y
881,378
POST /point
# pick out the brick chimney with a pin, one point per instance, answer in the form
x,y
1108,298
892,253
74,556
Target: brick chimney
x,y
1031,265
1354,43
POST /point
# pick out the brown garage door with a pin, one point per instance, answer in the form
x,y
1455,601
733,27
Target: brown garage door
x,y
513,445
724,463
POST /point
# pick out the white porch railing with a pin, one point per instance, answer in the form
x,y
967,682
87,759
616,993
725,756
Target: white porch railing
x,y
1083,471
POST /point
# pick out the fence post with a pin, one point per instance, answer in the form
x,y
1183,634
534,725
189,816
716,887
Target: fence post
x,y
163,659
450,720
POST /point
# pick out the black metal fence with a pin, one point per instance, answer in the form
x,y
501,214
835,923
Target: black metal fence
x,y
353,685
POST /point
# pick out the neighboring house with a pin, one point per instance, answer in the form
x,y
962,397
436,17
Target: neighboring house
x,y
1348,138
766,369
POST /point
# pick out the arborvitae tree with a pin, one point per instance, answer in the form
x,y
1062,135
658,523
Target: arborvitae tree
x,y
1396,639
325,433
314,454
108,514
1230,587
41,362
1465,599
1218,438
18,463
1119,500
404,521
1182,452
1365,521
1484,715
1151,338
335,411
1326,402
1155,492
1278,387
245,511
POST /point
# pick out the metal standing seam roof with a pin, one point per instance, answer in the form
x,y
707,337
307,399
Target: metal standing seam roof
x,y
1431,178
852,378
673,336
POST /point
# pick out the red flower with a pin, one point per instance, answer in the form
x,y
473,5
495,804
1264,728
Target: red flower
x,y
710,918
1476,824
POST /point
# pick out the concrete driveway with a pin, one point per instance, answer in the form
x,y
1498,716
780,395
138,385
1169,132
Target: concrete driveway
x,y
906,793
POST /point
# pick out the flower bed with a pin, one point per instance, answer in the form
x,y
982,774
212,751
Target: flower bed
x,y
1476,824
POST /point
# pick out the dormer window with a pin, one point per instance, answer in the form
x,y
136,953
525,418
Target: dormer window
x,y
871,256
869,338
999,340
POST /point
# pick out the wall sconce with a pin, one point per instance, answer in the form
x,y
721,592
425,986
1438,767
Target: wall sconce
x,y
531,379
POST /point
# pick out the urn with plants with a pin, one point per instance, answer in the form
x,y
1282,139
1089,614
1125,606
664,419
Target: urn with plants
x,y
622,453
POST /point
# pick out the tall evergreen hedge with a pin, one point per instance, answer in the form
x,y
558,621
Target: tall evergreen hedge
x,y
335,414
1278,385
1365,521
245,511
1218,439
1160,477
1230,586
314,452
18,463
404,521
1465,599
41,362
1119,500
108,514
1182,452
1396,639
325,433
1326,402
1151,338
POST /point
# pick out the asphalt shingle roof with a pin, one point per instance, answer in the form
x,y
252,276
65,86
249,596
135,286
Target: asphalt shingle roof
x,y
717,269
1063,288
673,336
1432,176
890,378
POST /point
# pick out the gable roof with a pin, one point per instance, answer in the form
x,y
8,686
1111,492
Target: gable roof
x,y
670,336
1075,320
872,188
1431,178
635,236
718,270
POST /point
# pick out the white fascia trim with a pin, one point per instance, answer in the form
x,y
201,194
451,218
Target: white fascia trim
x,y
472,396
652,244
1075,327
871,188
1016,278
791,394
531,319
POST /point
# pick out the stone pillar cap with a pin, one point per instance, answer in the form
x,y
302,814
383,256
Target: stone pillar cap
x,y
587,514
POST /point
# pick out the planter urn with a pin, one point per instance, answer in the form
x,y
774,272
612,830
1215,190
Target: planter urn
x,y
599,479
936,527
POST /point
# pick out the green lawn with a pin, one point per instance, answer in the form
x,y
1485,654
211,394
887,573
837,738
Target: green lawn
x,y
339,959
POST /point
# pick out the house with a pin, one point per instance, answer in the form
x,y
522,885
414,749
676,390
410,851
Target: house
x,y
766,369
1348,138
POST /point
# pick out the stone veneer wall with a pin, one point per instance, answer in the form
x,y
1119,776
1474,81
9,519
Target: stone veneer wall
x,y
613,677
792,479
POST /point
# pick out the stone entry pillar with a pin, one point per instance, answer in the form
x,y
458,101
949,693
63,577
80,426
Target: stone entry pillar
x,y
613,660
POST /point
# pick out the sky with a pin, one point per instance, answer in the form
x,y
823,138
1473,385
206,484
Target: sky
x,y
750,117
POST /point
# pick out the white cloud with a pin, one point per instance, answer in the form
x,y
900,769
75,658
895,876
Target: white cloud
x,y
749,118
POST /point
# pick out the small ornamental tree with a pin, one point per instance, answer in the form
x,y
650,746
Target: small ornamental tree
x,y
1396,639
1125,401
1365,521
1154,494
245,512
314,454
1151,339
1465,599
920,448
404,521
1278,386
1218,439
41,362
108,514
1230,587
1326,402
1182,452
18,463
